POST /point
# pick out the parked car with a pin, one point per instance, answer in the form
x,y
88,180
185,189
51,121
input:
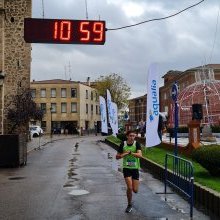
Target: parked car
x,y
35,131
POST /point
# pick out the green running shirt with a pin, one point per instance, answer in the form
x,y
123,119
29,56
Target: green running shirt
x,y
130,161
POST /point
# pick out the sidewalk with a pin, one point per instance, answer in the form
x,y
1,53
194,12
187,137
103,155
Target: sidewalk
x,y
185,140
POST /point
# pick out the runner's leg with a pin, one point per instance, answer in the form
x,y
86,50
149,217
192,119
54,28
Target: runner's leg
x,y
135,185
128,181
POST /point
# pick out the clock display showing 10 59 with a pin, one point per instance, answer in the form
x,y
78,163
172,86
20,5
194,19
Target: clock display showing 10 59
x,y
58,31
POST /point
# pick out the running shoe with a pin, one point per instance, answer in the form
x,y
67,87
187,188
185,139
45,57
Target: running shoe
x,y
128,209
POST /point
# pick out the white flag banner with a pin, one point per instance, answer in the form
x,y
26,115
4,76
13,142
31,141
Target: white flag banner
x,y
152,138
103,115
115,118
109,106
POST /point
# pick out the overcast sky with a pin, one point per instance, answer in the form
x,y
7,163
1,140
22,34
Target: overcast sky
x,y
178,43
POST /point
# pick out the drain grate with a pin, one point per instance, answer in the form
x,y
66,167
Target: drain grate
x,y
17,178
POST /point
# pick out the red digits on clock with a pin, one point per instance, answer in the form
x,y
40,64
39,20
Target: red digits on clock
x,y
62,34
65,30
98,30
86,33
55,30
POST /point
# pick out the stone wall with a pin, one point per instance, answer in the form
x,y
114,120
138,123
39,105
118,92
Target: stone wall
x,y
1,63
15,54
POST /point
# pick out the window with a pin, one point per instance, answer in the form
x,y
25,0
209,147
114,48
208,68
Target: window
x,y
166,108
87,108
91,95
33,93
73,107
87,94
96,96
97,109
63,107
53,93
43,93
54,107
43,106
73,93
92,109
63,93
165,96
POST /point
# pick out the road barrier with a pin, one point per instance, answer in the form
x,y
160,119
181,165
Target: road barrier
x,y
182,176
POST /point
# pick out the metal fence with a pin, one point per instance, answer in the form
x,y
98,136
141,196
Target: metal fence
x,y
180,176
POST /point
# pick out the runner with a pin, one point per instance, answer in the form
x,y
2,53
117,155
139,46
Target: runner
x,y
130,151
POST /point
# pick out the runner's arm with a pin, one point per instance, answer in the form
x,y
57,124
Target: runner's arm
x,y
120,153
138,154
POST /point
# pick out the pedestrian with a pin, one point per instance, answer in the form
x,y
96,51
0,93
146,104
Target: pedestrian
x,y
141,127
130,151
78,131
160,127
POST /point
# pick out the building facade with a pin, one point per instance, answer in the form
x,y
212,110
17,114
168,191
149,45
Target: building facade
x,y
15,54
137,110
67,105
185,79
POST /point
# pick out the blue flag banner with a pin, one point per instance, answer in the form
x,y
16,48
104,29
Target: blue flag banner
x,y
103,112
153,107
115,118
109,106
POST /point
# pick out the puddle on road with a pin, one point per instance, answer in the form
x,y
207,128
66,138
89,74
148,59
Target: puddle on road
x,y
70,173
71,183
78,192
72,178
73,160
68,185
17,178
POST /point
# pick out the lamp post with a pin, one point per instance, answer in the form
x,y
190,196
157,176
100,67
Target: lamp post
x,y
51,130
175,97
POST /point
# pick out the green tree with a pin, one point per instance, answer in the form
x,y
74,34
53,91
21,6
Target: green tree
x,y
117,86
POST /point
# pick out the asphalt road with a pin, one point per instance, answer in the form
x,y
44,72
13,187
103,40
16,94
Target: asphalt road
x,y
60,182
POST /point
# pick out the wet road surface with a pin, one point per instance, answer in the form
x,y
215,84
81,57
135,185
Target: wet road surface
x,y
60,182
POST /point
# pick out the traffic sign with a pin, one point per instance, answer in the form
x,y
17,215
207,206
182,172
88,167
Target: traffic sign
x,y
174,92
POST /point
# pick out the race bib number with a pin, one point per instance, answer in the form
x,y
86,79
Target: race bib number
x,y
131,163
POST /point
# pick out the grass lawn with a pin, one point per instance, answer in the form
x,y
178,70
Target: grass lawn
x,y
157,154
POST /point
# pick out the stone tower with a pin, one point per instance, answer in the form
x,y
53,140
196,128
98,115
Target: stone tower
x,y
15,54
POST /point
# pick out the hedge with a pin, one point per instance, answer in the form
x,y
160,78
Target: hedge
x,y
209,158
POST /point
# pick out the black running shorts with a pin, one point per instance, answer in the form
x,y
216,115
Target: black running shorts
x,y
134,173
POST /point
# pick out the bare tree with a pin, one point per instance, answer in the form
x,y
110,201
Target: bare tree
x,y
22,109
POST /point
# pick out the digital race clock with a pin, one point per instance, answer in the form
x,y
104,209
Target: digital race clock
x,y
58,31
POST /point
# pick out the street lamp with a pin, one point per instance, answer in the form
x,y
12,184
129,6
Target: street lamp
x,y
51,130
